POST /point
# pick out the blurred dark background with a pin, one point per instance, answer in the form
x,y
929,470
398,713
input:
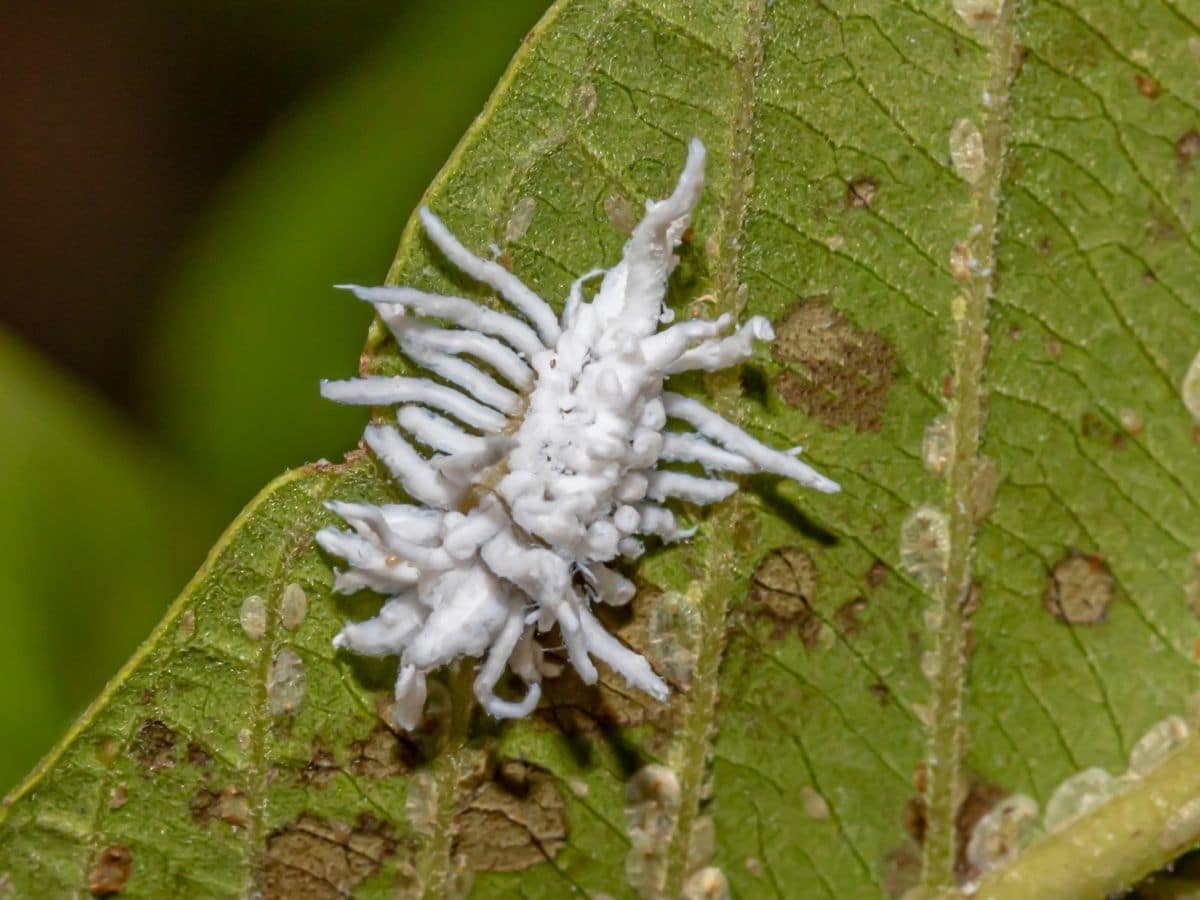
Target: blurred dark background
x,y
180,184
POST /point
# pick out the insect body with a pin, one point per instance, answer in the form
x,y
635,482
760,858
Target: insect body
x,y
547,436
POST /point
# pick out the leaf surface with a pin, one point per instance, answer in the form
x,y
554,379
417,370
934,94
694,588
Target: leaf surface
x,y
973,227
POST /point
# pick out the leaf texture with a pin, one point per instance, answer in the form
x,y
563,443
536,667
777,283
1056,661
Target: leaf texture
x,y
973,227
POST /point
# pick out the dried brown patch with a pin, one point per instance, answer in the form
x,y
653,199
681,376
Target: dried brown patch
x,y
382,754
654,624
512,821
782,591
323,859
154,745
110,871
1080,589
834,371
861,192
230,806
593,711
1147,86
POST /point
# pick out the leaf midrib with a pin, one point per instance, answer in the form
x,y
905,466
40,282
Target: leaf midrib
x,y
969,310
693,745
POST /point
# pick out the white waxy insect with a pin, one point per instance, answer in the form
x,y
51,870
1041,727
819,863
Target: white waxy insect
x,y
545,436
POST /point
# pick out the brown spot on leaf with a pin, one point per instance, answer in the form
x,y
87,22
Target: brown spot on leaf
x,y
512,821
1095,428
323,859
835,372
197,756
861,192
661,626
848,616
595,712
782,591
1187,148
382,754
110,871
592,717
980,797
154,745
655,625
1146,86
1080,590
230,806
877,574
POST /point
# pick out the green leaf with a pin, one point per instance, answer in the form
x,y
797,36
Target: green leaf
x,y
973,226
87,555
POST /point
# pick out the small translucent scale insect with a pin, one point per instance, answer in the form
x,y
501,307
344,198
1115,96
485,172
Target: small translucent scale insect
x,y
545,440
